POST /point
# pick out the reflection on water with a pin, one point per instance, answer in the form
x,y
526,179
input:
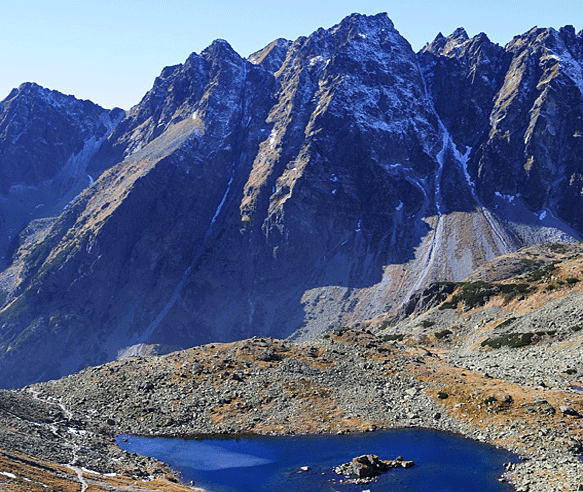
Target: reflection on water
x,y
443,462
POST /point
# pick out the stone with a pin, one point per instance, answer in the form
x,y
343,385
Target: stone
x,y
569,411
365,468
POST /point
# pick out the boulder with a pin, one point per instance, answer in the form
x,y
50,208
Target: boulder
x,y
365,468
571,412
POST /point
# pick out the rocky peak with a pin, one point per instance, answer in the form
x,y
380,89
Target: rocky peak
x,y
46,141
40,129
436,46
449,46
463,75
272,56
455,40
359,25
181,92
220,51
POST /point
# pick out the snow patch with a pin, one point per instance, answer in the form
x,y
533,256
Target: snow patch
x,y
7,474
315,60
218,211
400,206
76,432
463,161
440,158
508,198
569,66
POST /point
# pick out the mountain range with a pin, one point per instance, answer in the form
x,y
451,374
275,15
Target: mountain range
x,y
314,185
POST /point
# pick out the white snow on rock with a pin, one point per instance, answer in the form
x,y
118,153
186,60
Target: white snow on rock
x,y
508,198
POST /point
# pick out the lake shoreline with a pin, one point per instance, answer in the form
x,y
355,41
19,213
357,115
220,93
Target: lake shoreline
x,y
440,457
351,382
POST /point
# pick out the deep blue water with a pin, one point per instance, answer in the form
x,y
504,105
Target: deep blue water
x,y
443,462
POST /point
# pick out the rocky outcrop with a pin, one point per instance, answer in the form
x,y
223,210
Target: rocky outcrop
x,y
364,469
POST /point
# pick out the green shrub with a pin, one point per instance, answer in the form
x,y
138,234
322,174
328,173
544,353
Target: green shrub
x,y
390,338
473,294
576,328
506,322
442,334
557,248
512,340
572,280
427,324
542,272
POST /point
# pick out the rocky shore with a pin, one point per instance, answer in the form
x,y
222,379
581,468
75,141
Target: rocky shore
x,y
349,381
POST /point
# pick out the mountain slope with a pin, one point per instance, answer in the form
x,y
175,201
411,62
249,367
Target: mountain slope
x,y
320,182
46,142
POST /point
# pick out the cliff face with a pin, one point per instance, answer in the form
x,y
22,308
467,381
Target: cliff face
x,y
317,183
520,110
46,142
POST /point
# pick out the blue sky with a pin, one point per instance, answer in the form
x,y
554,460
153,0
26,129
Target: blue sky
x,y
110,51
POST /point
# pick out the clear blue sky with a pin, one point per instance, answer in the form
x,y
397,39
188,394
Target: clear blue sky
x,y
110,51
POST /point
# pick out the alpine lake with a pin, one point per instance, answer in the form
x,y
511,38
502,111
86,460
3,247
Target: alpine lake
x,y
444,462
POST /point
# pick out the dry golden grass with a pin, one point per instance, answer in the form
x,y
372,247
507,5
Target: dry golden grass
x,y
468,393
35,476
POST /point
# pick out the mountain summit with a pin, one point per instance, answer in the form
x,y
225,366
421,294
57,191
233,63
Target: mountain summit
x,y
317,183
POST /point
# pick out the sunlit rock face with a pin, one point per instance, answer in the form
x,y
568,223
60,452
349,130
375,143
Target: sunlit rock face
x,y
317,183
